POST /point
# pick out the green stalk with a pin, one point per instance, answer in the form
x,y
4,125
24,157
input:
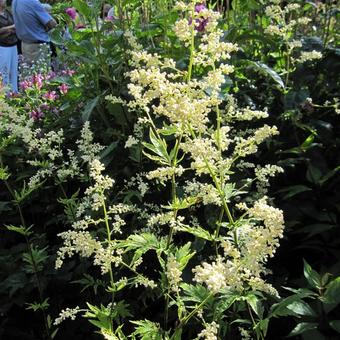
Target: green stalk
x,y
108,232
189,316
192,51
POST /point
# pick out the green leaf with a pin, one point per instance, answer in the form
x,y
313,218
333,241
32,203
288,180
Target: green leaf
x,y
314,174
302,328
265,69
82,7
20,230
142,242
313,278
255,304
4,174
332,293
89,107
335,324
147,330
301,308
329,175
196,231
194,293
293,190
107,155
35,306
261,327
159,147
183,255
281,308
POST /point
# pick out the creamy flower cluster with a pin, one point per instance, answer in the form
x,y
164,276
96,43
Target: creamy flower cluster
x,y
210,332
244,261
68,313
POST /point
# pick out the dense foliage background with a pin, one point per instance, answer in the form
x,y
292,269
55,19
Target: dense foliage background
x,y
301,93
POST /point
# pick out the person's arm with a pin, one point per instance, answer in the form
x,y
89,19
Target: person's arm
x,y
50,24
7,29
44,17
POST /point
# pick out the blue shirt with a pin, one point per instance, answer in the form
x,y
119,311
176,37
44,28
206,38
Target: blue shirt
x,y
30,20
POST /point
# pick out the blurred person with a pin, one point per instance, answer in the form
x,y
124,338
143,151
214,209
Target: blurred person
x,y
54,55
8,49
32,24
105,11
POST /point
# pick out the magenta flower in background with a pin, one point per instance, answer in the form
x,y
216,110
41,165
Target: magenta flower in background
x,y
199,8
71,12
63,88
68,72
37,80
200,23
24,85
36,114
51,95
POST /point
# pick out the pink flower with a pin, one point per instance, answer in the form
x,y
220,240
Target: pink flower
x,y
63,88
50,95
68,72
25,84
200,23
71,12
37,80
36,114
199,8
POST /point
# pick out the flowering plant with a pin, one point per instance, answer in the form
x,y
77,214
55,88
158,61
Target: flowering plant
x,y
41,95
202,157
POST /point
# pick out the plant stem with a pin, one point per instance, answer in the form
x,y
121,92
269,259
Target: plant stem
x,y
193,312
108,232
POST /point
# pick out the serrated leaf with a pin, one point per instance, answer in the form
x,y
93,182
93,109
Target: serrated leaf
x,y
196,231
194,293
20,230
183,255
147,330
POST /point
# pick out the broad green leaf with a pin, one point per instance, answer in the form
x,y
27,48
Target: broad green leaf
x,y
294,190
281,308
302,328
335,324
265,69
313,278
89,107
332,293
301,308
82,7
314,174
255,304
